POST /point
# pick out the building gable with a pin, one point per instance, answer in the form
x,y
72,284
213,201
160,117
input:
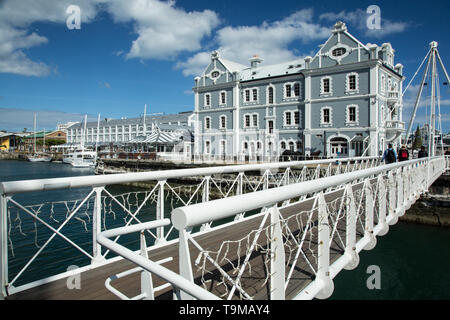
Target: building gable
x,y
340,48
219,71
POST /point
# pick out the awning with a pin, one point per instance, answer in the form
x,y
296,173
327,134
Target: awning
x,y
158,138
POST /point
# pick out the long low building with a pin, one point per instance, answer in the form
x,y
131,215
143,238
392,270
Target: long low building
x,y
157,133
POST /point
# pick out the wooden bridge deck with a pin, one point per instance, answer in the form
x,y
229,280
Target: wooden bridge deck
x,y
93,281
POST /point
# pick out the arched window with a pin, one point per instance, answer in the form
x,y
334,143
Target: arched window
x,y
270,95
291,145
283,145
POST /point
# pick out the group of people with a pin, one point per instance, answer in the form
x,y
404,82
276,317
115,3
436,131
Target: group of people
x,y
390,156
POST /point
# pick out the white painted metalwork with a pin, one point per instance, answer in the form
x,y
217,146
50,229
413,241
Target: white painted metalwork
x,y
239,192
383,183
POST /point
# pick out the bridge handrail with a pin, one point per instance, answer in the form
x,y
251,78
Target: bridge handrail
x,y
196,214
22,186
175,279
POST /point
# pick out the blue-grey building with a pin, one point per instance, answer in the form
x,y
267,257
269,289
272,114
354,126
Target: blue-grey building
x,y
347,99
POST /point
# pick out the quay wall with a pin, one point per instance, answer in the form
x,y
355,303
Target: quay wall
x,y
432,208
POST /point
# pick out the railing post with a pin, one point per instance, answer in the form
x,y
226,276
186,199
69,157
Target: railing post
x,y
205,198
393,204
96,226
239,191
266,179
277,259
160,212
350,239
146,277
370,203
323,263
382,207
4,246
185,266
206,187
401,188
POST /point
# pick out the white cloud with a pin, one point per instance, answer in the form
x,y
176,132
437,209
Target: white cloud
x,y
15,19
269,40
164,31
358,18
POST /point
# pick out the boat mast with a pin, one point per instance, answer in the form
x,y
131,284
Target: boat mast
x,y
34,144
98,129
145,112
83,134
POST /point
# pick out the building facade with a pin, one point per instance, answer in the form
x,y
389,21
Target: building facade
x,y
171,133
344,101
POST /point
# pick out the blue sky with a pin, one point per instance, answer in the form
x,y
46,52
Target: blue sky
x,y
136,52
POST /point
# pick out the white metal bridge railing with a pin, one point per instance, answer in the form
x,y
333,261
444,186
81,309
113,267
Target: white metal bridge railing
x,y
98,204
366,201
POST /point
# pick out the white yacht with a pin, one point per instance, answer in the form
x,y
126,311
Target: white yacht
x,y
81,158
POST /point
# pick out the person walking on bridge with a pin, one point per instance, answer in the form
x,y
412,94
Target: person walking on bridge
x,y
422,152
403,154
389,155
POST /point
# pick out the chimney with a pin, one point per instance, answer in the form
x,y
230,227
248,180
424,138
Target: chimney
x,y
254,61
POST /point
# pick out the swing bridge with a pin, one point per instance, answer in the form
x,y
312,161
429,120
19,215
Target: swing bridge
x,y
258,231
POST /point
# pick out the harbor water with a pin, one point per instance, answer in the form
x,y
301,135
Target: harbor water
x,y
413,260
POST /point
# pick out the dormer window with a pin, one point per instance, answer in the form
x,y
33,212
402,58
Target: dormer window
x,y
338,52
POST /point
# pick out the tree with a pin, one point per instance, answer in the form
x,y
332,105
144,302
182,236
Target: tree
x,y
417,139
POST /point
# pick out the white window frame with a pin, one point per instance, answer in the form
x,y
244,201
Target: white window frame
x,y
322,119
249,95
252,122
347,115
322,87
253,94
292,86
273,95
205,122
249,122
205,100
220,122
222,103
292,115
347,83
205,150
